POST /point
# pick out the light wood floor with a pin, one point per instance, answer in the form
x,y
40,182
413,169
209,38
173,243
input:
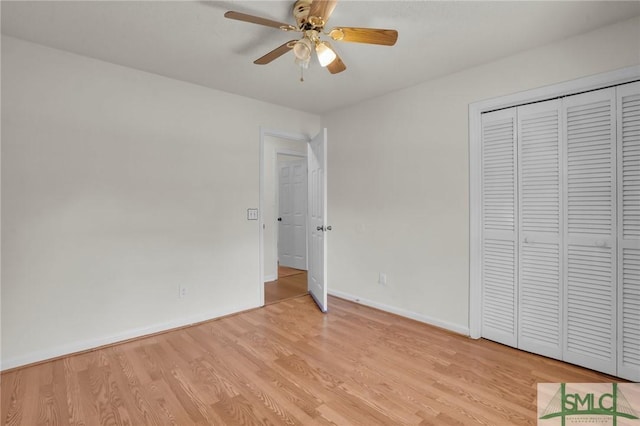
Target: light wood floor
x,y
289,364
290,283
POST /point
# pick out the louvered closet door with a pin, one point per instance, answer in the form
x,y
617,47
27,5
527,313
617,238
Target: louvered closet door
x,y
628,107
540,225
590,290
499,251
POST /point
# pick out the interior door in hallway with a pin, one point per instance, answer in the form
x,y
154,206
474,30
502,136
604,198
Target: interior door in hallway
x,y
292,212
317,275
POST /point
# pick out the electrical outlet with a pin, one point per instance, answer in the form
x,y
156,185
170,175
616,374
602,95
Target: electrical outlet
x,y
382,278
182,291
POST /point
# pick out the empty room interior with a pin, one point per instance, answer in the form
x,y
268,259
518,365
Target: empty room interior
x,y
242,212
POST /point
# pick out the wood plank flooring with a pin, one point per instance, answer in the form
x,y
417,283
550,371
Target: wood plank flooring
x,y
285,271
289,364
290,283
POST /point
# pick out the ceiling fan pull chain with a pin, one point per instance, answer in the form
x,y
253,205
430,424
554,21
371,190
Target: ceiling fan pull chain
x,y
301,74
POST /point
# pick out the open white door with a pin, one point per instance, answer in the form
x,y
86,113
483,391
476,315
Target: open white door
x,y
317,274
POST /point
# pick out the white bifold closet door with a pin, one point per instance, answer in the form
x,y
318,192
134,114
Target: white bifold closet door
x,y
499,250
628,106
561,229
590,214
540,228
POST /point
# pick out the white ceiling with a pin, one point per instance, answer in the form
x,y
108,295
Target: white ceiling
x,y
193,42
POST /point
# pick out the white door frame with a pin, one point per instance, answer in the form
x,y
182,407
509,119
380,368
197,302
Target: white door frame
x,y
594,82
265,132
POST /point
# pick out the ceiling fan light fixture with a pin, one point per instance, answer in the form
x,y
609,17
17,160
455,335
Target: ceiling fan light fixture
x,y
325,53
303,63
302,49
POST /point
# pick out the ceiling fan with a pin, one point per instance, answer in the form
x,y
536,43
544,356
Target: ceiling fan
x,y
311,17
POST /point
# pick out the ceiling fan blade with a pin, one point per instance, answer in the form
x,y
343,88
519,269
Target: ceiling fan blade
x,y
275,53
364,35
238,16
322,9
336,66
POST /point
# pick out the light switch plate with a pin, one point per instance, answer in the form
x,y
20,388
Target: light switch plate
x,y
252,214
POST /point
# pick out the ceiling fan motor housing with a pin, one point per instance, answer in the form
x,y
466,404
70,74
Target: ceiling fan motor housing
x,y
301,10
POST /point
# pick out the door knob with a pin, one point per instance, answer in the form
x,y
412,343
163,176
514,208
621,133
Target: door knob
x,y
328,228
279,219
319,228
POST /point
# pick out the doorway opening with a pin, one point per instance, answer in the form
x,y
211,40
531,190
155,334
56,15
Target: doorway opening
x,y
286,201
301,162
283,156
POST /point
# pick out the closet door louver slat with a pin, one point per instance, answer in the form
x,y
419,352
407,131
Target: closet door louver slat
x,y
540,206
628,104
590,249
499,274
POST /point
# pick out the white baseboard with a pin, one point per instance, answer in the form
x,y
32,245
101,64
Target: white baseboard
x,y
81,346
402,312
85,345
268,278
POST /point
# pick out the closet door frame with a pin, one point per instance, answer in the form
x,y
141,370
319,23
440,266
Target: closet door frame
x,y
598,81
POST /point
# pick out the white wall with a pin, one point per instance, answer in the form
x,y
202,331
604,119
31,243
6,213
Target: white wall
x,y
398,183
117,186
272,145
